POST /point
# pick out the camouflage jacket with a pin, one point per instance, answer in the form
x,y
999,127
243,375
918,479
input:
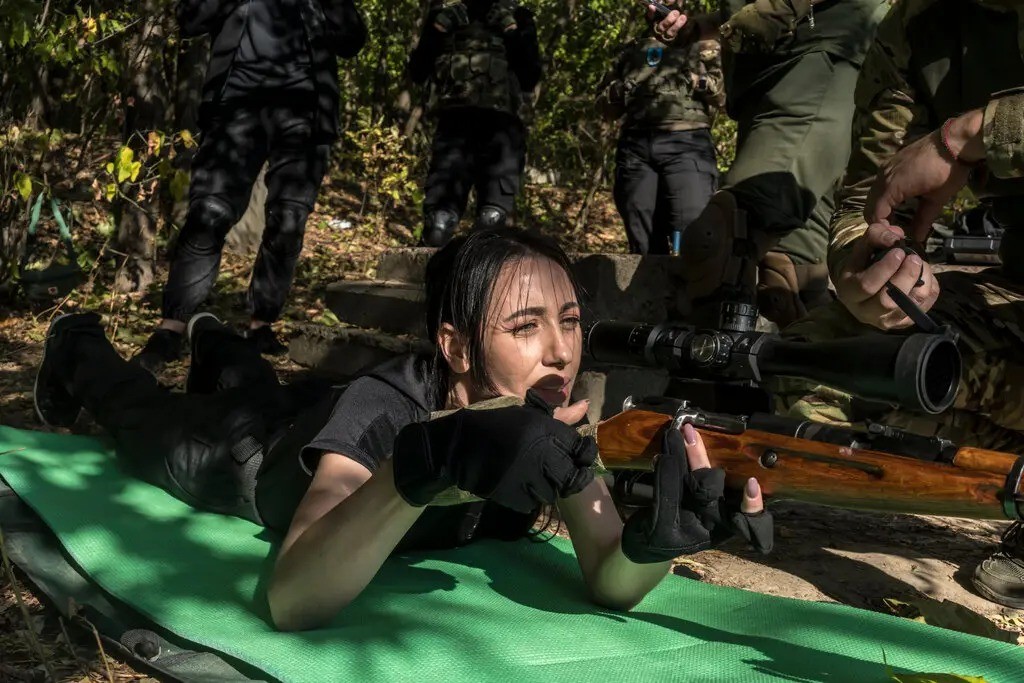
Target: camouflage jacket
x,y
788,28
478,65
661,87
931,60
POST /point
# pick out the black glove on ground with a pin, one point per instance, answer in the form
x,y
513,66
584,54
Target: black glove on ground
x,y
689,512
519,456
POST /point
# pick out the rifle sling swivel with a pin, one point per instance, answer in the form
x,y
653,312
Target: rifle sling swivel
x,y
1013,478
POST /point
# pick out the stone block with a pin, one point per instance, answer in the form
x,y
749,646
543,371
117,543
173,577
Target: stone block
x,y
344,351
390,306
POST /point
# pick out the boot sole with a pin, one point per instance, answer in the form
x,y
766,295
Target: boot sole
x,y
35,384
989,594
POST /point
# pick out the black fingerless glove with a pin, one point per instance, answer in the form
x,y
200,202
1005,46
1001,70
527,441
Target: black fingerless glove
x,y
689,512
518,457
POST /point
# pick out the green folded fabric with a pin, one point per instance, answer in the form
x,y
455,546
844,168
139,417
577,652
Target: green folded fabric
x,y
489,612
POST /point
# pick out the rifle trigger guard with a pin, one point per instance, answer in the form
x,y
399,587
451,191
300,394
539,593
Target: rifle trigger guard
x,y
1013,479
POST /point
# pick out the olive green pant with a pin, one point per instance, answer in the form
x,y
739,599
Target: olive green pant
x,y
987,309
794,118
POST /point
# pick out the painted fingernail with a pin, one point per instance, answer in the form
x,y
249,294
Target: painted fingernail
x,y
752,488
915,260
899,255
689,434
890,237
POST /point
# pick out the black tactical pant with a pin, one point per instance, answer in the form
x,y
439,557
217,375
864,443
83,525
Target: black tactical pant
x,y
206,446
663,180
240,139
476,149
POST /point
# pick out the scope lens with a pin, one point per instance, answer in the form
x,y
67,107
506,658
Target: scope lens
x,y
941,375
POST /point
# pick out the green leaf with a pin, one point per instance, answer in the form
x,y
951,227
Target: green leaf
x,y
110,191
124,163
23,184
179,185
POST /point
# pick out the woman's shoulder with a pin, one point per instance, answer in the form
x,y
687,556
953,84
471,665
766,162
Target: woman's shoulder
x,y
407,379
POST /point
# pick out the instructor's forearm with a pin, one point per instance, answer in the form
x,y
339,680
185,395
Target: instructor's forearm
x,y
337,556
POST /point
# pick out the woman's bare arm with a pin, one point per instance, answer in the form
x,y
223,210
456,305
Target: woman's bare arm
x,y
347,524
596,531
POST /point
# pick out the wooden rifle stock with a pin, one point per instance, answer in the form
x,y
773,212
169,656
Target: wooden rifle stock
x,y
974,485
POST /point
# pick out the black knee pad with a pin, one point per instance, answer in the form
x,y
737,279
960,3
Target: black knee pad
x,y
490,216
438,227
208,222
286,225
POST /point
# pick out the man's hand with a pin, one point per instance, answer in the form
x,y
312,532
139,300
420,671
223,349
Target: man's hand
x,y
689,512
861,285
517,456
670,28
450,16
928,171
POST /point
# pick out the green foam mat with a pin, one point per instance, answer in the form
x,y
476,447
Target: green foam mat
x,y
489,612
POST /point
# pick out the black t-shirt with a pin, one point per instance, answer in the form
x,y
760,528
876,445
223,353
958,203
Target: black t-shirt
x,y
361,421
273,53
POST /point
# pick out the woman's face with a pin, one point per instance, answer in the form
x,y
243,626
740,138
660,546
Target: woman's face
x,y
532,337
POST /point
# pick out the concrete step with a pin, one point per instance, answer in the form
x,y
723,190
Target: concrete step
x,y
344,352
405,265
391,306
621,286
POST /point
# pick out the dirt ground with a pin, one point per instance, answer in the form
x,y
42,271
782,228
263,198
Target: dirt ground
x,y
865,560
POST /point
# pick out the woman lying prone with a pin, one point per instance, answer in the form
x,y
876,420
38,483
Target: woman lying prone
x,y
349,474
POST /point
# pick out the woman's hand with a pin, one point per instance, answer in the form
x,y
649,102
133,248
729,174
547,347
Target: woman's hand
x,y
518,456
689,513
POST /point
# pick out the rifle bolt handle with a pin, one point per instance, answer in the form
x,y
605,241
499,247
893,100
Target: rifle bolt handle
x,y
769,459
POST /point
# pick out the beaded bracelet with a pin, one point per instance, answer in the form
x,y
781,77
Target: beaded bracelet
x,y
944,135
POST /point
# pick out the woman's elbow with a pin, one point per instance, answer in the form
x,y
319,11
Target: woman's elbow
x,y
287,615
618,603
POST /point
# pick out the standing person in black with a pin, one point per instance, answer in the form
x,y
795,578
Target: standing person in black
x,y
349,475
270,96
480,58
665,163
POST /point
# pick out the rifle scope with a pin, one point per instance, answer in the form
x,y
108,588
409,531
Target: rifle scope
x,y
917,371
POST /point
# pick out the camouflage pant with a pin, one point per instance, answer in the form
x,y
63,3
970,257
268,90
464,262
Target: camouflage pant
x,y
987,309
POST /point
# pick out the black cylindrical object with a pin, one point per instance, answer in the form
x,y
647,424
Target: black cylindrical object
x,y
918,371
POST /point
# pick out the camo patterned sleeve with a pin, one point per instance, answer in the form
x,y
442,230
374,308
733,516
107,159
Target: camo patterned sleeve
x,y
710,56
887,115
1003,131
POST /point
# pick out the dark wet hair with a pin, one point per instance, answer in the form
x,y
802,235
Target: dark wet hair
x,y
460,282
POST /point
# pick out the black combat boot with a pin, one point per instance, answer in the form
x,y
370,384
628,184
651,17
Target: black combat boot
x,y
266,342
163,347
1000,578
55,405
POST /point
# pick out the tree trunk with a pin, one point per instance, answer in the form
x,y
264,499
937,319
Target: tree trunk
x,y
146,99
190,73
